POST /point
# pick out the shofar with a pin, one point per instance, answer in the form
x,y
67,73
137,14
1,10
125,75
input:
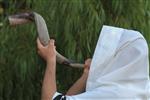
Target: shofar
x,y
23,18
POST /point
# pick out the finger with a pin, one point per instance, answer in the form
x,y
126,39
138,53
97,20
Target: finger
x,y
39,45
85,65
52,41
88,62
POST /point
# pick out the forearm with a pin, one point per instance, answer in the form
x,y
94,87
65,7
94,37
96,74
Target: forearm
x,y
49,82
79,85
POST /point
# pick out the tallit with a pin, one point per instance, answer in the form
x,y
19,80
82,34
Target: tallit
x,y
119,68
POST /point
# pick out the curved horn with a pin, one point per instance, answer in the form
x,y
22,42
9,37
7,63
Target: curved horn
x,y
23,18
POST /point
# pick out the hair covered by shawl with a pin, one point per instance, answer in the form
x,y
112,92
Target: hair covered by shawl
x,y
119,68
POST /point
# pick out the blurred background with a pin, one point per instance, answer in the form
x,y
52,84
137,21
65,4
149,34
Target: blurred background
x,y
75,25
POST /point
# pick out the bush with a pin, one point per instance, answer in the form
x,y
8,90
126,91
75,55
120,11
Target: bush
x,y
75,24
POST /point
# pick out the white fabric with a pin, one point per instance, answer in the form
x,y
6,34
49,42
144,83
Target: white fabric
x,y
55,95
148,91
119,68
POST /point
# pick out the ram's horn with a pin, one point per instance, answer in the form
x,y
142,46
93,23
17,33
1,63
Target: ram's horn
x,y
23,18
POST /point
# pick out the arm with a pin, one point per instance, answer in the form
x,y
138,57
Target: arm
x,y
49,81
80,85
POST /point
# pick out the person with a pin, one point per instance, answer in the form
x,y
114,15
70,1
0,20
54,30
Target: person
x,y
49,55
118,70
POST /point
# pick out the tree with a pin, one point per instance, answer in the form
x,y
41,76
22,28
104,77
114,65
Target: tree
x,y
75,24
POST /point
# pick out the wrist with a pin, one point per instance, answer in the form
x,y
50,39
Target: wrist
x,y
85,74
51,60
85,71
51,63
51,68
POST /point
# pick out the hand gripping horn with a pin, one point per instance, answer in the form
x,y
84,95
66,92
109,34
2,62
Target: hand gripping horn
x,y
42,30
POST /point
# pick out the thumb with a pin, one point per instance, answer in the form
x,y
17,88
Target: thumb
x,y
39,44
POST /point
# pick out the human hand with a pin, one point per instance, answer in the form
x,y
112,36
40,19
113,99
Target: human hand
x,y
87,65
48,53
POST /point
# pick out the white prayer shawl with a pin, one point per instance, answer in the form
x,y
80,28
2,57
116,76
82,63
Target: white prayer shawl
x,y
119,68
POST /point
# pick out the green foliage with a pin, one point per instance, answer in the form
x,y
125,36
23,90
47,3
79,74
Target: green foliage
x,y
75,24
